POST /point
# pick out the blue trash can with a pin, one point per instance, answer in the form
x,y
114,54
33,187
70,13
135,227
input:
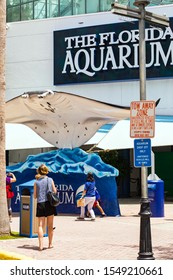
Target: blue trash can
x,y
156,197
28,219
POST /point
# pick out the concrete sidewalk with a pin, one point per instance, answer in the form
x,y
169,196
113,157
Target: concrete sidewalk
x,y
109,238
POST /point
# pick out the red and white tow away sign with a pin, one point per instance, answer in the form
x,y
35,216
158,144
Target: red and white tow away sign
x,y
142,119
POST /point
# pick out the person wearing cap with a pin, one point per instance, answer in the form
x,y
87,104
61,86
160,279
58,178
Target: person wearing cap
x,y
44,210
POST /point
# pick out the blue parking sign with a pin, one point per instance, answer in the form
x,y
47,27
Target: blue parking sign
x,y
142,152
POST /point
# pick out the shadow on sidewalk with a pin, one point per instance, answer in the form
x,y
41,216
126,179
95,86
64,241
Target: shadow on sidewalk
x,y
30,247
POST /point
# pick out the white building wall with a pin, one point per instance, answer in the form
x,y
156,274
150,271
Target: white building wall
x,y
29,62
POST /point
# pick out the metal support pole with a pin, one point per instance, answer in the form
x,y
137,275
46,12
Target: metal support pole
x,y
145,244
145,251
142,53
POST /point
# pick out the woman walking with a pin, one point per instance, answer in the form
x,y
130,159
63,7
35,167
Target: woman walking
x,y
89,194
44,209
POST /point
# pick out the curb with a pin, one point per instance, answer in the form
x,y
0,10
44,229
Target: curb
x,y
5,255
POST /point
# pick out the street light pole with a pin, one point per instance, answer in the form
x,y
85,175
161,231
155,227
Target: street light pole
x,y
145,244
142,52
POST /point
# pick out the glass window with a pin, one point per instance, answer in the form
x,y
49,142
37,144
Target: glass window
x,y
52,8
92,6
65,8
13,14
26,1
13,2
39,9
105,5
27,11
78,7
130,3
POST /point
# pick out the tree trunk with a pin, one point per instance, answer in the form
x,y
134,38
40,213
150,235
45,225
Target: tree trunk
x,y
4,219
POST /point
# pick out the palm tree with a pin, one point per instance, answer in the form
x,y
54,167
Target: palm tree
x,y
4,220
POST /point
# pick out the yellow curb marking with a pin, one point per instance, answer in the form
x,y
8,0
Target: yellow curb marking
x,y
4,255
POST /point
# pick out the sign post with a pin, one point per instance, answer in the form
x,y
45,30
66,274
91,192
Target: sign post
x,y
145,244
142,119
142,152
142,125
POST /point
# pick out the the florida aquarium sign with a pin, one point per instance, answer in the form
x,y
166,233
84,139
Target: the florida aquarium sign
x,y
111,52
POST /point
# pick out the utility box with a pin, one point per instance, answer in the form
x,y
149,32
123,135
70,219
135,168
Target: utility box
x,y
28,219
156,197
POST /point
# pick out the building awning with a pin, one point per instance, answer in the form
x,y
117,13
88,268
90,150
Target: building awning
x,y
119,136
100,134
110,136
19,136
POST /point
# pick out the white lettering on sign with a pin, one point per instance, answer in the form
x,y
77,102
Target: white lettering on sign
x,y
142,152
17,199
142,119
113,52
66,194
25,207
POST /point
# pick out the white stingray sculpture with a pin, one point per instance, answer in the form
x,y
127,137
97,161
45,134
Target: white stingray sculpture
x,y
62,119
